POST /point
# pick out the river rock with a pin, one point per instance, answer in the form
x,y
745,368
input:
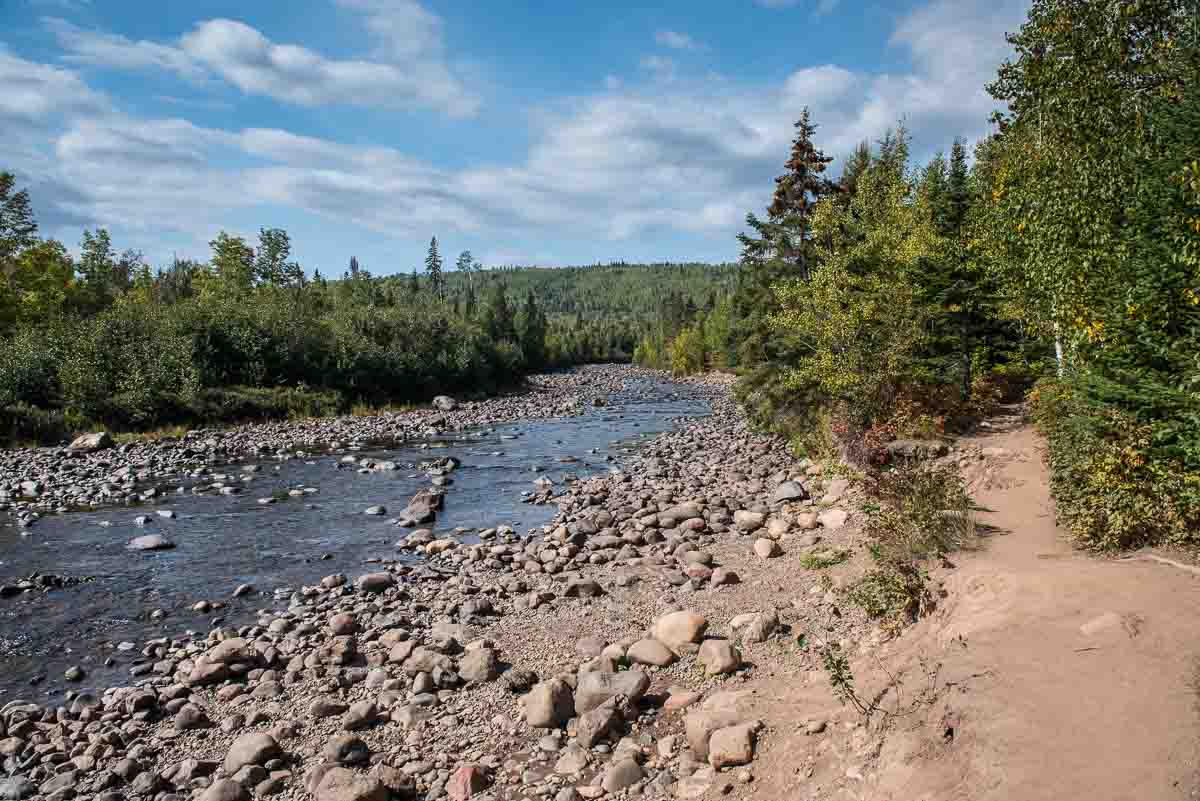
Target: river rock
x,y
789,491
747,521
466,782
622,774
549,704
375,582
225,790
255,748
479,665
593,689
676,629
445,403
150,542
766,549
833,519
650,652
719,656
343,784
90,443
732,745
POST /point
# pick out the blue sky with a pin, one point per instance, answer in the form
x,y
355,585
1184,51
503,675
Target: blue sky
x,y
527,132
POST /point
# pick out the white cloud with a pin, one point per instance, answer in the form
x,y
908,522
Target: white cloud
x,y
676,40
409,70
100,49
630,163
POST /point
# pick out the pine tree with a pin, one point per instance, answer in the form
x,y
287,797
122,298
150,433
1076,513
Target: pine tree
x,y
779,248
354,267
856,164
433,266
414,284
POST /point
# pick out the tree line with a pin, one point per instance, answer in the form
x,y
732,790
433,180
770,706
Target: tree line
x,y
906,299
105,339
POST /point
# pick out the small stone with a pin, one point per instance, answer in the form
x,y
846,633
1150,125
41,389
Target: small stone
x,y
731,746
225,790
676,629
255,748
766,549
74,673
650,652
719,656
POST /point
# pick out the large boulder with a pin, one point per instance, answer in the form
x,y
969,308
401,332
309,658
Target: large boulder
x,y
445,403
255,748
90,443
593,689
549,704
676,629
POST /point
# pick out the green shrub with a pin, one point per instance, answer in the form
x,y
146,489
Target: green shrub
x,y
919,512
1113,487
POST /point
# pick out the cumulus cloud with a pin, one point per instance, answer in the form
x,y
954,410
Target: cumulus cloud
x,y
409,68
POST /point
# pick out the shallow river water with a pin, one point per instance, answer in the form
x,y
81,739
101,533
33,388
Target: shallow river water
x,y
224,541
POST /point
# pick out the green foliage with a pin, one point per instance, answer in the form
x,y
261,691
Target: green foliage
x,y
822,559
1113,487
920,512
858,317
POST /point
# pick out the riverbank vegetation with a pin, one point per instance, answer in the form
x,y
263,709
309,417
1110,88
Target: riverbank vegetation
x,y
104,339
906,300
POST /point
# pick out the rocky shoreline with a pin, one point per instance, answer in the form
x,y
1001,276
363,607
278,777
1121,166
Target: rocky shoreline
x,y
35,481
602,655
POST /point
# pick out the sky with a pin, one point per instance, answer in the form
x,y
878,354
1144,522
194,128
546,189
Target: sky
x,y
526,132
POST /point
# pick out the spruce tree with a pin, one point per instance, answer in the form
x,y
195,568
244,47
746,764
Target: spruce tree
x,y
433,266
779,248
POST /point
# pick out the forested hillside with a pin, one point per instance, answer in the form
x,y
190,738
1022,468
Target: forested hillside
x,y
905,299
105,339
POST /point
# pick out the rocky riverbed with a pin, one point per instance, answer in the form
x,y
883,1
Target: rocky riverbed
x,y
38,480
600,653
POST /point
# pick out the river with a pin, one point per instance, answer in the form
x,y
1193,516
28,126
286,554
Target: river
x,y
225,541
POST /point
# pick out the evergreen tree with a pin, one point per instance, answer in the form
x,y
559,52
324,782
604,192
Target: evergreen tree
x,y
18,229
856,164
779,248
497,317
354,267
414,284
433,266
533,333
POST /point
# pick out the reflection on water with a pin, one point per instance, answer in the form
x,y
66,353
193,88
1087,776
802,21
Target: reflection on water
x,y
224,541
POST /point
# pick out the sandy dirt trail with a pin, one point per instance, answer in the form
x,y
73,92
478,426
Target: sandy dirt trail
x,y
1062,676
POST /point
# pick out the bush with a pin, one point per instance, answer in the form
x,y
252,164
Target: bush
x,y
129,365
1112,487
29,363
920,512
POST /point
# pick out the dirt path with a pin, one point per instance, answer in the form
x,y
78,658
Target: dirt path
x,y
1062,676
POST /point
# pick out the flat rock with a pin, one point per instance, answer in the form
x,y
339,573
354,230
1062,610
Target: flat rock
x,y
150,542
650,652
